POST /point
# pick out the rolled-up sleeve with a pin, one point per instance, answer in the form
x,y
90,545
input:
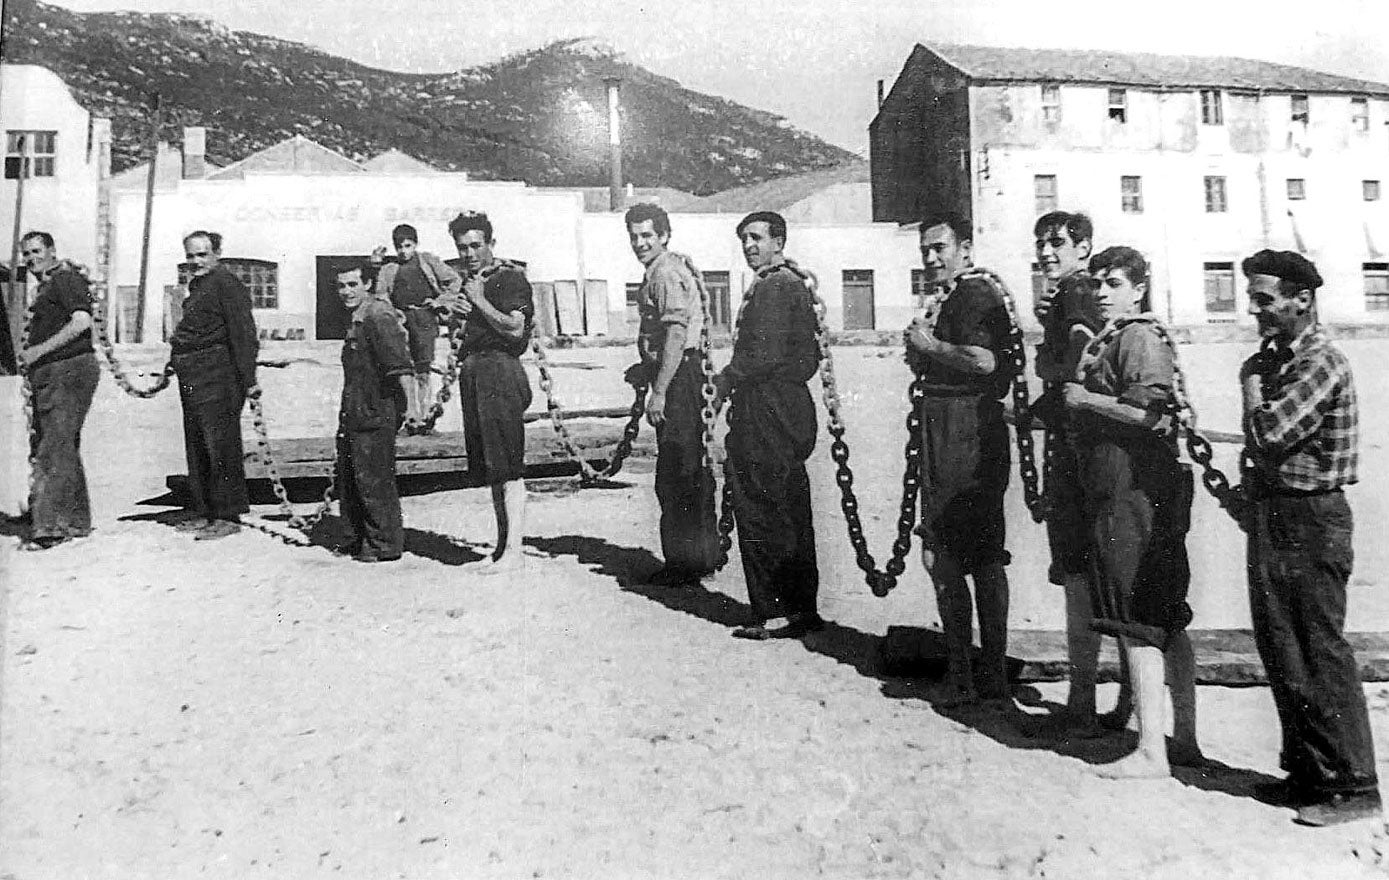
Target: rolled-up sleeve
x,y
673,294
1146,369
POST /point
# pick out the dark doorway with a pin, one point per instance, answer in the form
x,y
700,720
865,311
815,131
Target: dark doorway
x,y
858,299
330,318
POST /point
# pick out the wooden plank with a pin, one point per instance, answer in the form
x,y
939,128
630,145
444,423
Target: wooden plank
x,y
1223,656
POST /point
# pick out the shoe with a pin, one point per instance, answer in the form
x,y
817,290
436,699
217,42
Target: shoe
x,y
368,556
346,548
218,528
44,542
192,524
1341,807
798,625
1282,793
754,632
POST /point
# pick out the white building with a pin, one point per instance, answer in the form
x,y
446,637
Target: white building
x,y
68,156
291,212
1198,162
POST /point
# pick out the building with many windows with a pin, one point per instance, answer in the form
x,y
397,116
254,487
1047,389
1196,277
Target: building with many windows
x,y
1197,162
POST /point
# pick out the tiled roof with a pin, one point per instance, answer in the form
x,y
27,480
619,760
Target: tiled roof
x,y
778,193
1142,69
297,155
394,161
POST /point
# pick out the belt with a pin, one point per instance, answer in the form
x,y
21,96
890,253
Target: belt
x,y
181,352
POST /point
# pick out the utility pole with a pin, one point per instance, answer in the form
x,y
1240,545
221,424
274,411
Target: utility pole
x,y
153,144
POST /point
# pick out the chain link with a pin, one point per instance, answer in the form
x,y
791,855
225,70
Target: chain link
x,y
450,376
302,523
588,475
102,333
27,396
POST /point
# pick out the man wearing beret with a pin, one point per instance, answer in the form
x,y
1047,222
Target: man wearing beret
x,y
1300,445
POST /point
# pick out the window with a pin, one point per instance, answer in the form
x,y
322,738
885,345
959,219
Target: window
x,y
1360,114
1212,112
1369,189
261,278
1044,191
1376,287
1131,194
1215,195
1297,189
1119,105
1051,103
920,289
38,149
634,293
1039,282
718,285
1300,111
1220,290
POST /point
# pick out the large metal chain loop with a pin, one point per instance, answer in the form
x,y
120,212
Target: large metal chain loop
x,y
118,371
445,392
1022,408
303,523
1197,446
588,475
709,413
27,396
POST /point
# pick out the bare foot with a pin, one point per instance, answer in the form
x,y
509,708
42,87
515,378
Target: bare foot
x,y
508,564
1185,754
1139,765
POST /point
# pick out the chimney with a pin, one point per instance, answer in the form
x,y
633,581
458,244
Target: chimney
x,y
880,94
194,152
615,200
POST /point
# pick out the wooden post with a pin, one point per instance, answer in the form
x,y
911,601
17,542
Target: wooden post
x,y
149,217
23,138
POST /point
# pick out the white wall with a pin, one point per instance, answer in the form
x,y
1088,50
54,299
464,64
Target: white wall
x,y
35,99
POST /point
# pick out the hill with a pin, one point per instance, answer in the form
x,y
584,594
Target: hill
x,y
538,116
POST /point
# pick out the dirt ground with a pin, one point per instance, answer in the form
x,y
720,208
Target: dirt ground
x,y
248,708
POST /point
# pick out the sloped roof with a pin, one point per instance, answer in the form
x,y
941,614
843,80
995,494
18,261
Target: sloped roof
x,y
297,155
779,193
1143,70
393,161
596,198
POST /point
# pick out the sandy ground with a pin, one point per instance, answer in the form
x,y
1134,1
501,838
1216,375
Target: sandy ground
x,y
250,708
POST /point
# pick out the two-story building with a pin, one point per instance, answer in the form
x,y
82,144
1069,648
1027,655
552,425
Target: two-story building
x,y
1197,162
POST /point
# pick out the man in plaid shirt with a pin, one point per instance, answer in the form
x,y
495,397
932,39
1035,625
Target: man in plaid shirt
x,y
1300,430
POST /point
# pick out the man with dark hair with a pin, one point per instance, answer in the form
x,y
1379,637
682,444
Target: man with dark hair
x,y
376,377
1301,438
63,375
672,361
771,432
493,387
213,351
414,284
1063,245
1137,508
963,354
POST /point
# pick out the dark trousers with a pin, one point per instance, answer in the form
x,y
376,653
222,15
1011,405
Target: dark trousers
x,y
367,490
212,401
63,392
1299,563
684,486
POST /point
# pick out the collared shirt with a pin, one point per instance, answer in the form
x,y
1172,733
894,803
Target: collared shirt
x,y
776,331
504,286
972,314
374,353
1138,368
669,297
1305,435
62,292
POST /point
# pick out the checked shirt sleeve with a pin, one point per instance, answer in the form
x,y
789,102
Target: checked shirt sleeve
x,y
1296,410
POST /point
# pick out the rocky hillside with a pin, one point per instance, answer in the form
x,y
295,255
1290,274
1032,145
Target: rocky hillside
x,y
538,116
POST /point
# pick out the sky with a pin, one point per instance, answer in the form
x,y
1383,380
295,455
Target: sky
x,y
816,62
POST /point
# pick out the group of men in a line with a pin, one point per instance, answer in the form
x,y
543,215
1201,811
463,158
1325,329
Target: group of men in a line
x,y
1117,498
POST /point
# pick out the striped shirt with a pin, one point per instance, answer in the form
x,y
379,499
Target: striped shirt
x,y
1305,435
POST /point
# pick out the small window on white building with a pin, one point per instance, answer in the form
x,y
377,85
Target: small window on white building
x,y
718,285
1215,195
1369,189
39,149
1376,286
1360,114
1220,290
1297,189
1039,282
1051,103
634,293
1212,112
920,288
1131,194
1301,113
261,278
1044,192
1119,105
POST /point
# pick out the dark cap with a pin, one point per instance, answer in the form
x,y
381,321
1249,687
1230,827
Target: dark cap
x,y
1292,267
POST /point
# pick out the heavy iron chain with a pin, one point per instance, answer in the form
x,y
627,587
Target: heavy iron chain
x,y
1022,409
307,522
1197,446
445,392
27,396
588,474
881,582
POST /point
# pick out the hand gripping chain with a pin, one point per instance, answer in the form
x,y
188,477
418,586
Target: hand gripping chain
x,y
1197,446
1022,410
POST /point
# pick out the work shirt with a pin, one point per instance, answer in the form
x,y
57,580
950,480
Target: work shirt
x,y
776,331
374,353
218,312
972,314
1305,435
62,292
1136,367
506,288
669,297
411,287
437,276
